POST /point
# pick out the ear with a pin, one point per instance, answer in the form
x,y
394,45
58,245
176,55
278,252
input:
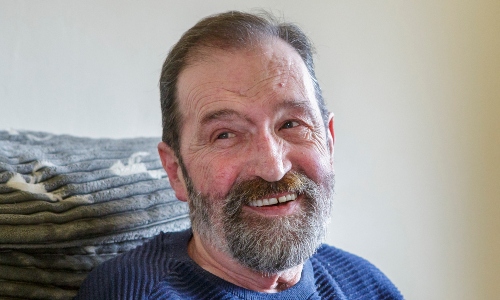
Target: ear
x,y
171,165
331,134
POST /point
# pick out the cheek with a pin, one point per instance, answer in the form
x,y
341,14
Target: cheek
x,y
213,176
315,163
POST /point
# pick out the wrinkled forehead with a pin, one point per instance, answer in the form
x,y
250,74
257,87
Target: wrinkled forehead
x,y
245,71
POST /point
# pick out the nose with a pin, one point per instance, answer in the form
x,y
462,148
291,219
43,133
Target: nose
x,y
268,158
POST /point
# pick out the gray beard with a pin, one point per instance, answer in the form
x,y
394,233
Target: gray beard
x,y
264,244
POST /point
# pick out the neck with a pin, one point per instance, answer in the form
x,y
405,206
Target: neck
x,y
223,266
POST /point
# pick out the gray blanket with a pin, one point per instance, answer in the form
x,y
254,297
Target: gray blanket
x,y
68,203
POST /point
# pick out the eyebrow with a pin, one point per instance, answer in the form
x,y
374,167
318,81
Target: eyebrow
x,y
293,104
228,112
305,105
219,114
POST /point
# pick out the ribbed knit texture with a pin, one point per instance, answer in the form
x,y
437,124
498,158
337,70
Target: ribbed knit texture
x,y
69,203
162,269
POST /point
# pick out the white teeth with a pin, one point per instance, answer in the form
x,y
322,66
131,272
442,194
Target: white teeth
x,y
272,201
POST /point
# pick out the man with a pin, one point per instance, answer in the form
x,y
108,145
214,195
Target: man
x,y
248,143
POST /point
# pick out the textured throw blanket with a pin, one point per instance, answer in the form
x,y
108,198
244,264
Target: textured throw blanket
x,y
69,203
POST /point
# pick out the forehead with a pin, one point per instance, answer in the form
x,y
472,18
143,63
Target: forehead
x,y
265,72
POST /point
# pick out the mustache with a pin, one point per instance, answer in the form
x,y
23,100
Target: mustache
x,y
258,188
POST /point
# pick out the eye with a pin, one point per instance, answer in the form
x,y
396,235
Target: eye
x,y
225,135
289,124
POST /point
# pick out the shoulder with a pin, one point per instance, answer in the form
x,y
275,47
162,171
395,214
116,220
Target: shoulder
x,y
133,274
354,276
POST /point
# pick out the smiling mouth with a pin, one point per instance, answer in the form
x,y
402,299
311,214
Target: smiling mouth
x,y
273,201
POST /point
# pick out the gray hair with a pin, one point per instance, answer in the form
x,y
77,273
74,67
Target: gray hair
x,y
230,30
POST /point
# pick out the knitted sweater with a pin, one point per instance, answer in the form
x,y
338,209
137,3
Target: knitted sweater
x,y
162,269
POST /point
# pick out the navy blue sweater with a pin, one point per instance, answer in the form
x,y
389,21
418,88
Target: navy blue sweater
x,y
162,269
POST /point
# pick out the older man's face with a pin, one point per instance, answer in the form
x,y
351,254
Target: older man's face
x,y
255,149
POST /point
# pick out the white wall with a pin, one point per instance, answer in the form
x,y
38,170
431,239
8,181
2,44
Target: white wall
x,y
415,86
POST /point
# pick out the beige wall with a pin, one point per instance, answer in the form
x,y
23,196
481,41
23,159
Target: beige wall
x,y
415,87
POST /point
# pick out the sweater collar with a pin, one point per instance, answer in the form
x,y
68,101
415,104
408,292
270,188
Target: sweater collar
x,y
303,289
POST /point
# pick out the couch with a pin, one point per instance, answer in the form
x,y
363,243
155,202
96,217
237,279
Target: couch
x,y
69,203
